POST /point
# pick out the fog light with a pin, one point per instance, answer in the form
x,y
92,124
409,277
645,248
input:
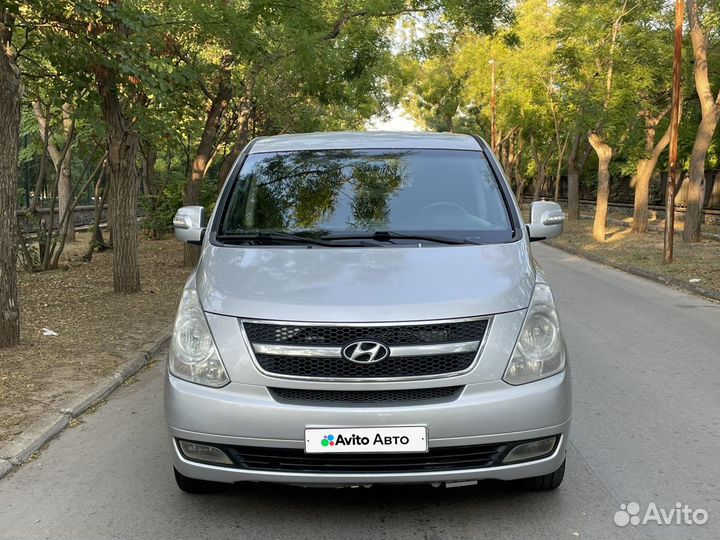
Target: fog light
x,y
203,452
531,450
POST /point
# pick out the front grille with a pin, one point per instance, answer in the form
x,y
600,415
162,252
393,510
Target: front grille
x,y
420,334
436,459
424,349
400,366
365,397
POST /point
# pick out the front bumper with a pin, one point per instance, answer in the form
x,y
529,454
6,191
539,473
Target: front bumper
x,y
485,413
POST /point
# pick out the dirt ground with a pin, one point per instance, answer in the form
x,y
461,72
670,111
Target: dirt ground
x,y
699,261
96,328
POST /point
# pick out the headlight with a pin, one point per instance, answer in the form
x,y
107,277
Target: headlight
x,y
193,355
539,351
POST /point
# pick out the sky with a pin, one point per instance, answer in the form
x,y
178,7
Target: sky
x,y
398,120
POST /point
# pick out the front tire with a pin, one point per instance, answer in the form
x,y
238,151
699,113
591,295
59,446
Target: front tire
x,y
546,482
198,487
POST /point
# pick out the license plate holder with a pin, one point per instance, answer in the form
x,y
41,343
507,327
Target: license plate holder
x,y
366,440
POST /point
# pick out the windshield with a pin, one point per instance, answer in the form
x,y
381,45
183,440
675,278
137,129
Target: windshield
x,y
351,192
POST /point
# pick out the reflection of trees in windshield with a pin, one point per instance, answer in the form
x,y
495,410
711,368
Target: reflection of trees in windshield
x,y
306,190
374,184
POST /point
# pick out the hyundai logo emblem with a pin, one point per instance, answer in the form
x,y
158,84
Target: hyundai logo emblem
x,y
365,352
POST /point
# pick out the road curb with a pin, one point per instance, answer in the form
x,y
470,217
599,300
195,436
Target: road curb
x,y
652,276
31,440
44,430
5,467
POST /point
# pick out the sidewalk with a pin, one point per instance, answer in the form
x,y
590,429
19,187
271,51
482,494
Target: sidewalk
x,y
79,341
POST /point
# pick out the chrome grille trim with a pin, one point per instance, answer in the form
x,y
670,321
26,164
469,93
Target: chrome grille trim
x,y
439,348
369,324
303,351
403,350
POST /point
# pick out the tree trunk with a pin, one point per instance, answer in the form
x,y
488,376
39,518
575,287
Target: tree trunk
x,y
515,168
65,197
449,124
696,178
62,159
710,108
645,169
539,181
496,149
519,188
97,241
109,212
150,155
540,164
122,148
573,172
191,193
604,153
11,91
507,151
558,172
242,138
234,153
642,193
65,188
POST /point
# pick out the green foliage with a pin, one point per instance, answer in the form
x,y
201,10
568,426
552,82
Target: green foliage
x,y
292,66
159,209
552,63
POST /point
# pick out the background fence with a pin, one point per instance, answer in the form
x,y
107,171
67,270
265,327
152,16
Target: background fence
x,y
622,192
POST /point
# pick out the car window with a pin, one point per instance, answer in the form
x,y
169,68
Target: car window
x,y
408,191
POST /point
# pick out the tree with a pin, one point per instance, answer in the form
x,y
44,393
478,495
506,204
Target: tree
x,y
602,148
61,156
613,62
119,48
650,52
604,153
11,92
646,165
451,90
710,108
337,50
589,57
122,144
540,162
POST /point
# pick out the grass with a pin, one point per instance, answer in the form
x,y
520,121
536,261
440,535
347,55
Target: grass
x,y
700,261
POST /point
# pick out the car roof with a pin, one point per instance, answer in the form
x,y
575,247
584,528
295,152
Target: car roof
x,y
349,140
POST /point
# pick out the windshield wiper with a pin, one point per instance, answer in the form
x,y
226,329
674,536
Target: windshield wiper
x,y
386,236
281,237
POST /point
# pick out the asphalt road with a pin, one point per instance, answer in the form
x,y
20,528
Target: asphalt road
x,y
646,429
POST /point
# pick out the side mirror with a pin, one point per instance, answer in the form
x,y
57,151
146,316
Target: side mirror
x,y
546,220
189,224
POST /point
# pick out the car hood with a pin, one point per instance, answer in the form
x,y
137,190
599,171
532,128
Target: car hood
x,y
365,284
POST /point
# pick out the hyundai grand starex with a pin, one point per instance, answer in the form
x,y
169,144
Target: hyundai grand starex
x,y
366,310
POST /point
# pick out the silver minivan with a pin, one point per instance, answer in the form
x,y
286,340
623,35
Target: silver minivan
x,y
367,310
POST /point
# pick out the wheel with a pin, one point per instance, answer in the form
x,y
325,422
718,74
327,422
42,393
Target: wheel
x,y
545,482
192,485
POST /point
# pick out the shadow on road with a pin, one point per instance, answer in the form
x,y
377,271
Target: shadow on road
x,y
400,497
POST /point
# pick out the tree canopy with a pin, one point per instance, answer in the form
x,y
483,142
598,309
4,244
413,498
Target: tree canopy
x,y
142,105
